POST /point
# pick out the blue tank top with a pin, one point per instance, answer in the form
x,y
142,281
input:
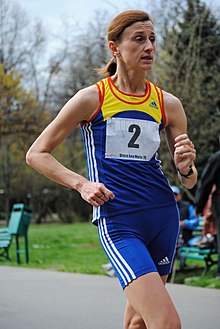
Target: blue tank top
x,y
121,142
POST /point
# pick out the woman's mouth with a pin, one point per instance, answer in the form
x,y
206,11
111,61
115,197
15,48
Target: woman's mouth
x,y
147,58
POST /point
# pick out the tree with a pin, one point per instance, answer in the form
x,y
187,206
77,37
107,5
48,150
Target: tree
x,y
189,67
23,47
26,76
19,120
85,51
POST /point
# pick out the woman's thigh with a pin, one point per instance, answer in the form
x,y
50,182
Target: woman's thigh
x,y
148,297
131,318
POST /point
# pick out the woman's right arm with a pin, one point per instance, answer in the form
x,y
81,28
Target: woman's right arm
x,y
79,108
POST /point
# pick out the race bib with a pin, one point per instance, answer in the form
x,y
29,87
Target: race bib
x,y
131,139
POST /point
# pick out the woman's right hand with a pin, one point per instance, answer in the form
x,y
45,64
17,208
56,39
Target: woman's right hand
x,y
95,193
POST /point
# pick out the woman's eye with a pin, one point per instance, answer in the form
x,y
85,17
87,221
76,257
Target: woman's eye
x,y
139,38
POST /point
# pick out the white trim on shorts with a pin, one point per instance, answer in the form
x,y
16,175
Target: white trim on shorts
x,y
114,255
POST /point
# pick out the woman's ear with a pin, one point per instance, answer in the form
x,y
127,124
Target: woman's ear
x,y
113,48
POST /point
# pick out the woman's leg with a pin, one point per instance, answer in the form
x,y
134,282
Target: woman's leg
x,y
149,304
132,320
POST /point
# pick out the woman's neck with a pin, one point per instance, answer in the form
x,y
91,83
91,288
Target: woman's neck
x,y
130,82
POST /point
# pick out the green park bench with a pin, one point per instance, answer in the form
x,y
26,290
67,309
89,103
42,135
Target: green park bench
x,y
208,256
196,253
19,221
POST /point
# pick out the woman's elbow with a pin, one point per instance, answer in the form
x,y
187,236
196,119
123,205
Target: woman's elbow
x,y
35,156
30,157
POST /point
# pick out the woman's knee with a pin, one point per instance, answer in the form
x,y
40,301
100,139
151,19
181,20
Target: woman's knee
x,y
135,322
171,321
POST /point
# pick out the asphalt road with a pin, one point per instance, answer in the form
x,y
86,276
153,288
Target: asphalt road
x,y
41,299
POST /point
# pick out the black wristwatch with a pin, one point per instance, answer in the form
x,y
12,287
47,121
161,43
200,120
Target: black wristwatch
x,y
191,171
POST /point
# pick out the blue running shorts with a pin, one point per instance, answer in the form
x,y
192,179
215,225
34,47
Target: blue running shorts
x,y
140,242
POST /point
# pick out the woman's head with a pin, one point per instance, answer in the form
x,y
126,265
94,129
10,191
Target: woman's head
x,y
116,30
123,20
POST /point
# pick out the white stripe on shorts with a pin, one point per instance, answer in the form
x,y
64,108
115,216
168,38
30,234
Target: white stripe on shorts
x,y
116,258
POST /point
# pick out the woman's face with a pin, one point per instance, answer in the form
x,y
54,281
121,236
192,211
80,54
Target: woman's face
x,y
136,46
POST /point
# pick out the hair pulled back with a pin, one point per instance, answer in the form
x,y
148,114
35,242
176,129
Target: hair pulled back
x,y
115,29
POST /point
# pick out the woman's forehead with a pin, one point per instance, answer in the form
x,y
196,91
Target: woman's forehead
x,y
145,26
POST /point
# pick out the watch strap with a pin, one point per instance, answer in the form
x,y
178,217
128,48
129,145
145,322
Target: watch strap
x,y
191,171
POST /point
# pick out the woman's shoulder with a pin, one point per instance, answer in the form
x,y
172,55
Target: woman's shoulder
x,y
89,98
89,93
83,103
173,107
170,100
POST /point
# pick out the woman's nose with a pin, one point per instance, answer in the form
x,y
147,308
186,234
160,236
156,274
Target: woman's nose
x,y
148,45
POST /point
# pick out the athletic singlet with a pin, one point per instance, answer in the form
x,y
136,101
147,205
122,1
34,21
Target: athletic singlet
x,y
121,142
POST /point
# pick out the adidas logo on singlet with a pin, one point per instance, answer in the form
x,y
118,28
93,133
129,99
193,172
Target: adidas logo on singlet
x,y
164,261
154,105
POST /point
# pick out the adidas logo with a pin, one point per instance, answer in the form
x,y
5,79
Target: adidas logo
x,y
164,261
154,105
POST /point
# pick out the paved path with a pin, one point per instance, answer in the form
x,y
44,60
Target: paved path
x,y
41,299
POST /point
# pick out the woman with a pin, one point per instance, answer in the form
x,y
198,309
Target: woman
x,y
134,207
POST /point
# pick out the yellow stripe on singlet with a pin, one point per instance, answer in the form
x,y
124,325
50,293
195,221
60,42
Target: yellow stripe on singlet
x,y
115,101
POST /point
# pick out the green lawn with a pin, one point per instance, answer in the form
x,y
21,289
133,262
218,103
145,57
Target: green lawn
x,y
76,248
63,247
193,277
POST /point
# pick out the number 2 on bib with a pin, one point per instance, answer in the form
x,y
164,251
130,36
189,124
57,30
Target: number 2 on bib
x,y
136,130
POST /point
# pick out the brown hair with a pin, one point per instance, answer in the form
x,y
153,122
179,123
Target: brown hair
x,y
116,28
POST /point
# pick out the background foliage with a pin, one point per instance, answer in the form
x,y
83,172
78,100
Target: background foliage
x,y
33,87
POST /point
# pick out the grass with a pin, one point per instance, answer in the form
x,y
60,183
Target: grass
x,y
76,248
67,248
193,276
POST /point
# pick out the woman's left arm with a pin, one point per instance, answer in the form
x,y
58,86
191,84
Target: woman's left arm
x,y
181,148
